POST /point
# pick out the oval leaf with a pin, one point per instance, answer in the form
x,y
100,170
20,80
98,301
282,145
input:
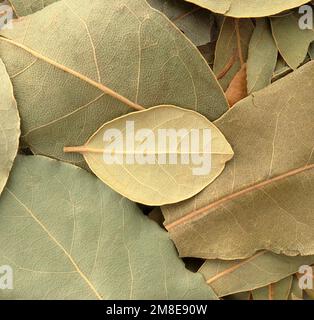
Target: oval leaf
x,y
68,236
148,178
9,126
262,57
292,42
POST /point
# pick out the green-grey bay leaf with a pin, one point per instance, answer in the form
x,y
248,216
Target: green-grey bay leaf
x,y
227,61
79,64
275,291
262,57
263,199
260,270
292,42
26,7
68,236
146,178
196,23
9,126
248,8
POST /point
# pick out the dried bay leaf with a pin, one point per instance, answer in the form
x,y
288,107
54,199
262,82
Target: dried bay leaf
x,y
262,57
292,42
237,89
150,182
9,126
80,64
276,291
263,199
26,7
196,23
248,8
227,60
68,236
262,269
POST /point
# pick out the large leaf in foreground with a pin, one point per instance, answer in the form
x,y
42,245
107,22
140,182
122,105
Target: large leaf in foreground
x,y
78,64
68,236
248,8
26,7
264,197
9,126
152,169
262,269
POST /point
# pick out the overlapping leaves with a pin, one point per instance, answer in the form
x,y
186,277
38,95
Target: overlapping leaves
x,y
265,190
77,74
74,66
162,181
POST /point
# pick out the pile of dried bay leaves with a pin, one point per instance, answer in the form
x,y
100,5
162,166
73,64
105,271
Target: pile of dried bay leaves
x,y
73,227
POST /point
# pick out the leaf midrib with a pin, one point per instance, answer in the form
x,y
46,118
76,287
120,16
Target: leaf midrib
x,y
193,215
83,149
79,271
233,268
76,74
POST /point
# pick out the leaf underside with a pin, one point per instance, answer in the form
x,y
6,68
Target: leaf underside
x,y
152,182
263,198
84,75
67,236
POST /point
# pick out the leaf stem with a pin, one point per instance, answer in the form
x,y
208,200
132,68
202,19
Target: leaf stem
x,y
80,149
193,215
